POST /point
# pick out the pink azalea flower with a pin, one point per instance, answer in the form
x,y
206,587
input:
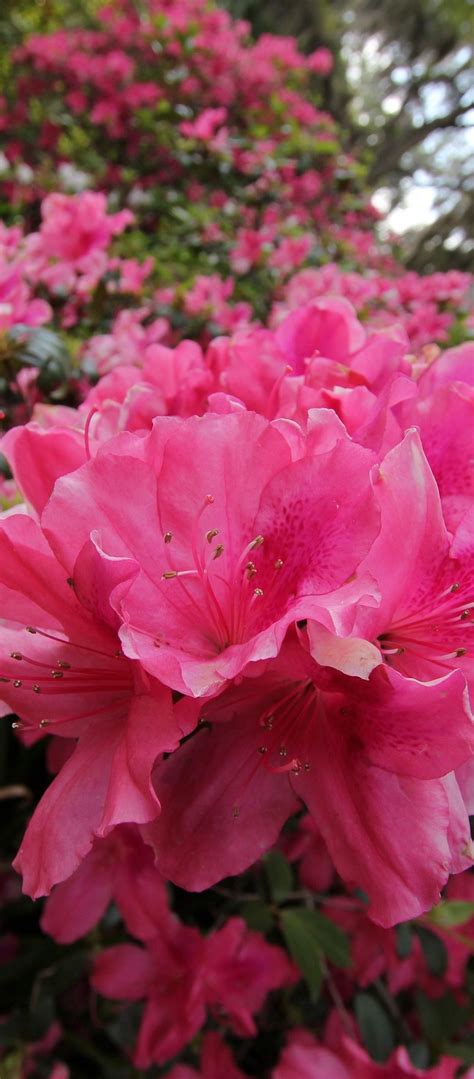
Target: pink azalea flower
x,y
321,61
425,620
216,1061
360,753
62,671
303,1058
250,539
120,868
182,975
307,847
444,413
205,125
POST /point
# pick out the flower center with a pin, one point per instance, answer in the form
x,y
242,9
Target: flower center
x,y
66,676
439,632
230,602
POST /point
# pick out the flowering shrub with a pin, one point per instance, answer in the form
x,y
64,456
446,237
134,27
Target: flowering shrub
x,y
236,579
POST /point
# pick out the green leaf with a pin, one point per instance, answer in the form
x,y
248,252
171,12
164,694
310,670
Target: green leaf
x,y
419,1054
375,1026
279,875
462,1050
403,936
303,948
331,939
440,1018
434,951
257,916
451,912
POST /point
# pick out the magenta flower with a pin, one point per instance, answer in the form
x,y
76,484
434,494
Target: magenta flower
x,y
237,527
303,1058
120,868
63,672
183,975
360,753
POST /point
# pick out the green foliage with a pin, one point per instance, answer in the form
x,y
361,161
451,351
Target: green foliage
x,y
375,1026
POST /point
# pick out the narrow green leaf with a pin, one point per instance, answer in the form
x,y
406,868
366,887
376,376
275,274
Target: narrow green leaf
x,y
375,1026
279,875
452,912
434,951
303,948
403,935
257,916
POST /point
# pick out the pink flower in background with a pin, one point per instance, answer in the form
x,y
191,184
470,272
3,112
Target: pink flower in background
x,y
120,868
183,975
74,226
303,1058
216,1061
205,125
321,61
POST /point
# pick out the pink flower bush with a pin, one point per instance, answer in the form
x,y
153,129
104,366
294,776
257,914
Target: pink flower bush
x,y
236,576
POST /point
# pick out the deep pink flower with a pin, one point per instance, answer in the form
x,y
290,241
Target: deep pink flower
x,y
182,975
232,539
63,672
425,620
120,868
216,1061
360,753
303,1058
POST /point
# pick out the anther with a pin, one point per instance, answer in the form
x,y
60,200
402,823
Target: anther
x,y
17,683
464,615
17,725
258,591
209,499
70,581
263,749
44,723
307,766
63,665
31,629
168,576
168,536
36,688
278,563
16,655
460,652
57,674
213,532
3,679
251,570
283,752
235,811
257,542
455,588
218,551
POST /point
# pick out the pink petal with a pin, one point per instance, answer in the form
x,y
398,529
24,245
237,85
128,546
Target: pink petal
x,y
124,972
76,905
220,810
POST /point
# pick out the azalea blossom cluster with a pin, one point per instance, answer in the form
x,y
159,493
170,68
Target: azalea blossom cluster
x,y
102,310
236,577
212,605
